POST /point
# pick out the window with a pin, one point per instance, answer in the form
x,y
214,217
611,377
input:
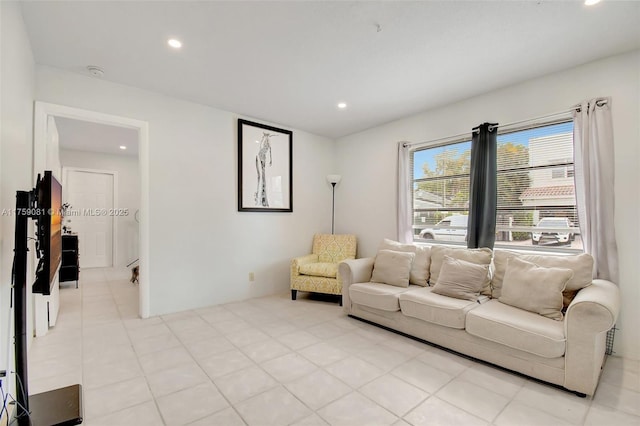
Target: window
x,y
441,192
536,190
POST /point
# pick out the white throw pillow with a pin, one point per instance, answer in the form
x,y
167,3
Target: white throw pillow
x,y
461,279
534,288
392,267
420,269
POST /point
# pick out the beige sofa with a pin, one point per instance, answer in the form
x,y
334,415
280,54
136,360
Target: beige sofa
x,y
567,352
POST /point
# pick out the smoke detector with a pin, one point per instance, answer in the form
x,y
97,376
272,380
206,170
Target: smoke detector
x,y
95,71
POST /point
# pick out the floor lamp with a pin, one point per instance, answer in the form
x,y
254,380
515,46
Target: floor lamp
x,y
333,180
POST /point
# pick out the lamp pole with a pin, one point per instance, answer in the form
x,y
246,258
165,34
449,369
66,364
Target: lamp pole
x,y
333,204
333,180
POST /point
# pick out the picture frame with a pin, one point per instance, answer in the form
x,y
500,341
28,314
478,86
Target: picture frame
x,y
265,168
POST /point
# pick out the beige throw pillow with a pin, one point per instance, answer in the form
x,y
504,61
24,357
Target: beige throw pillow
x,y
581,265
480,256
461,279
420,269
392,267
534,288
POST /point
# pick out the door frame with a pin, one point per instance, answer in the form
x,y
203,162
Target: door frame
x,y
114,203
43,110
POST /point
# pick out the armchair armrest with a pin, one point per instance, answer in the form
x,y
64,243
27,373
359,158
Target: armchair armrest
x,y
590,315
353,271
296,262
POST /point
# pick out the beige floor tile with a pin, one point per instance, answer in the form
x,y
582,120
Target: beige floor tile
x,y
96,375
312,420
247,337
273,407
145,414
394,394
519,414
317,389
424,376
436,412
224,363
445,361
226,417
556,402
323,354
265,350
298,339
354,371
621,399
161,360
113,398
355,409
205,348
493,379
601,415
473,399
244,384
155,343
288,367
191,404
173,379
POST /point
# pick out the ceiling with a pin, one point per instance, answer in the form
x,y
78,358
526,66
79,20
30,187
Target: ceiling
x,y
290,63
86,136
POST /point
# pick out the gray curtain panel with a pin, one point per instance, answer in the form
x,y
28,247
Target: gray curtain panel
x,y
483,187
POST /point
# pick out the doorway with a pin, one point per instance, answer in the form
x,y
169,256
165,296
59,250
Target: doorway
x,y
92,194
43,111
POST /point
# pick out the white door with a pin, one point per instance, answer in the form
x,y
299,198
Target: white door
x,y
90,195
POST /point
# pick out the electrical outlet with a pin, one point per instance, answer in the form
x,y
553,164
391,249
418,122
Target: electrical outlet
x,y
252,276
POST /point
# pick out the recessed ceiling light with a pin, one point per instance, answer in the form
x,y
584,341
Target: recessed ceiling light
x,y
342,105
123,147
95,71
175,43
591,2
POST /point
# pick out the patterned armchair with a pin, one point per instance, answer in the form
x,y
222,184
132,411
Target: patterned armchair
x,y
318,272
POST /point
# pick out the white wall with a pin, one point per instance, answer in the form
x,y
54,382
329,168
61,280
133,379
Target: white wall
x,y
16,93
367,161
201,248
128,195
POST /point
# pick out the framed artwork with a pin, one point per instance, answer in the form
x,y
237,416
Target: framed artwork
x,y
265,168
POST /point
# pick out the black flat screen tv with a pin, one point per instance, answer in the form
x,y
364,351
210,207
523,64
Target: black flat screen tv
x,y
49,232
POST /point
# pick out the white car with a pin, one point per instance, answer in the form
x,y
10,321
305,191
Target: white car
x,y
563,236
459,234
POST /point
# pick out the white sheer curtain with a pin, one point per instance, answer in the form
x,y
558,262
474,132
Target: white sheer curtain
x,y
405,231
594,176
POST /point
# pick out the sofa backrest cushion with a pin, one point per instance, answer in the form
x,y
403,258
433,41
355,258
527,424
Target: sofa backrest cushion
x,y
461,279
534,288
392,267
481,256
420,268
581,265
334,248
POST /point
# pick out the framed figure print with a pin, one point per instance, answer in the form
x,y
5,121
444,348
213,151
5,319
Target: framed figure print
x,y
265,169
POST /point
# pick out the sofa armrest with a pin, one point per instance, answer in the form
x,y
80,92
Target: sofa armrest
x,y
590,315
353,271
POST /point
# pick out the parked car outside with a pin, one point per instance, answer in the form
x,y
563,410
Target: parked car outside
x,y
561,237
444,234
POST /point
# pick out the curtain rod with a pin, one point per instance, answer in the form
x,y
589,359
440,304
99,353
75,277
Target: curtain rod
x,y
599,102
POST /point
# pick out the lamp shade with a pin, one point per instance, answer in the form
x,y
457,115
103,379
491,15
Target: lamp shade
x,y
333,179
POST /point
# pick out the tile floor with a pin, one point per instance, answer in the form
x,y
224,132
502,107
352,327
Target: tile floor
x,y
271,361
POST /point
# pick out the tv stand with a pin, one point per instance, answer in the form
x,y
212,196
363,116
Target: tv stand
x,y
58,407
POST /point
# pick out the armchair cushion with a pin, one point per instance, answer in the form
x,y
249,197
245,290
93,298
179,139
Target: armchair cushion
x,y
319,269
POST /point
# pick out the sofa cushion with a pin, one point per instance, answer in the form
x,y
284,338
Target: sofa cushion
x,y
376,295
419,274
581,265
517,328
392,267
480,256
534,288
319,269
461,279
423,304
